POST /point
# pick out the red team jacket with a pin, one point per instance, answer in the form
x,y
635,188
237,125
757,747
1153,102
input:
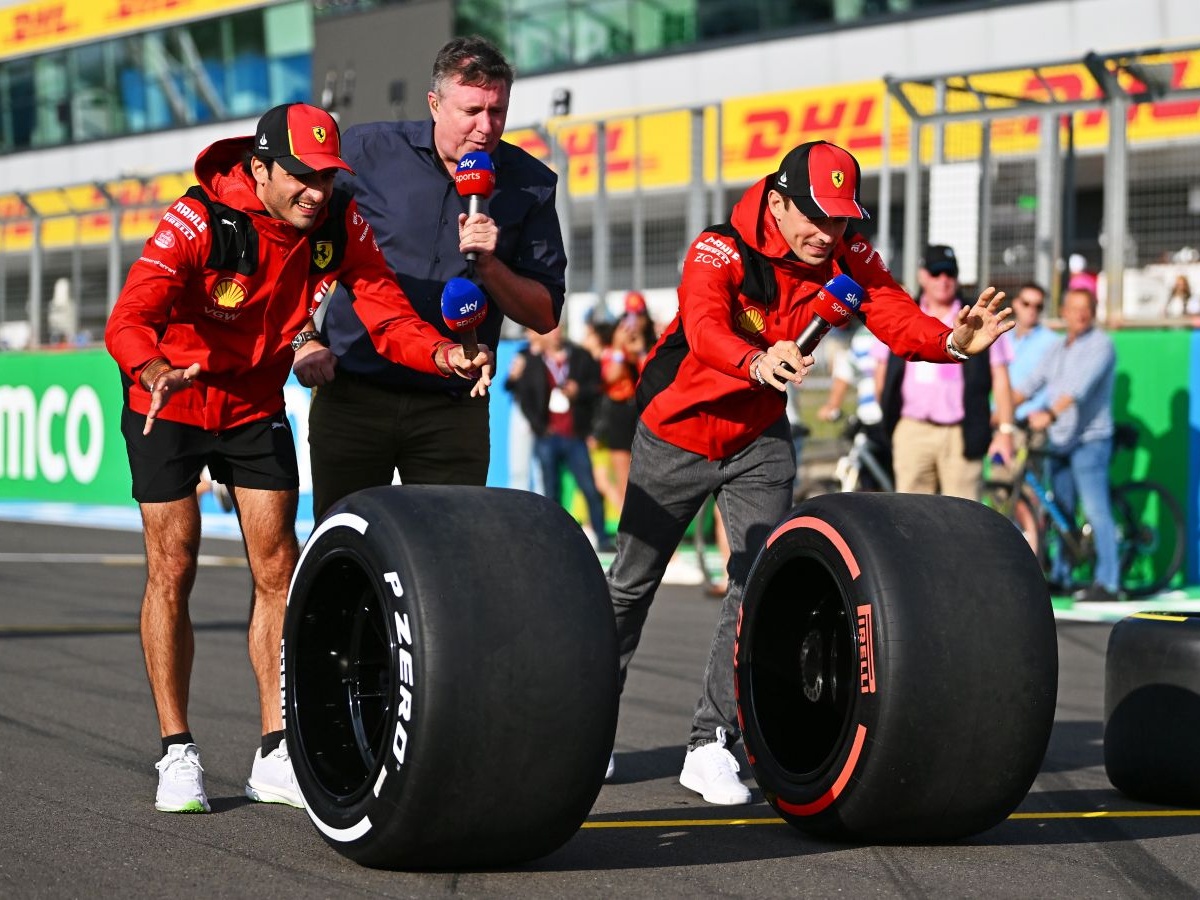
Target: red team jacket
x,y
703,398
239,327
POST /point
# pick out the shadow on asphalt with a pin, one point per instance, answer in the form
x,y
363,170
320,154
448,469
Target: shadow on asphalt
x,y
1074,745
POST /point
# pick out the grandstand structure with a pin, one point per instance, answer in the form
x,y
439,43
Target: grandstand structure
x,y
987,125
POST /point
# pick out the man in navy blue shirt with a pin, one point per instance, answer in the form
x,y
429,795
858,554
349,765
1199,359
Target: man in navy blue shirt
x,y
377,417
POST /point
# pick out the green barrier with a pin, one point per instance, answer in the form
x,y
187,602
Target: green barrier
x,y
60,435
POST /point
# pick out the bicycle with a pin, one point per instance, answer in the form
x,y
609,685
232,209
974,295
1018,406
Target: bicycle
x,y
861,468
1148,519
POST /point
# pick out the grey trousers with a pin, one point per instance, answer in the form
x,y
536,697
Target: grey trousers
x,y
667,486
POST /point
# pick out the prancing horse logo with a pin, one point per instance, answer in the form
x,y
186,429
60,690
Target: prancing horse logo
x,y
838,177
323,253
319,133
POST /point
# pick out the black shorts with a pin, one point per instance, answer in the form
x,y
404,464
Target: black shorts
x,y
166,463
615,423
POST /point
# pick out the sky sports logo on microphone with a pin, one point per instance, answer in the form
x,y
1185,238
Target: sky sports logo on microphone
x,y
844,295
475,175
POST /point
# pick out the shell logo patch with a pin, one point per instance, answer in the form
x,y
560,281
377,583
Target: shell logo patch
x,y
319,133
838,177
323,253
750,321
228,294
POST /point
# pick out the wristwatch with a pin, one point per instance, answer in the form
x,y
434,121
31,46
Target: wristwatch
x,y
952,349
303,338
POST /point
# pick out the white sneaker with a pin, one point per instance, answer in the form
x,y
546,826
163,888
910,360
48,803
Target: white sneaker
x,y
181,781
711,771
272,779
612,766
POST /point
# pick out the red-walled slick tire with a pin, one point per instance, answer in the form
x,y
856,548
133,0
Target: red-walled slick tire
x,y
450,676
896,668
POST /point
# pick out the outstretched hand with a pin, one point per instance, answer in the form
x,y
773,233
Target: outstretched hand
x,y
478,368
979,326
164,386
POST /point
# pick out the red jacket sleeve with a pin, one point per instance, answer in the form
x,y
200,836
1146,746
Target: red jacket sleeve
x,y
889,312
155,281
709,286
397,332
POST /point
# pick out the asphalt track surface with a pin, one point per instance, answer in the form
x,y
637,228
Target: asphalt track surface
x,y
78,741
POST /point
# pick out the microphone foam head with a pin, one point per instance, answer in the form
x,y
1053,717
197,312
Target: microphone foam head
x,y
839,299
463,304
475,176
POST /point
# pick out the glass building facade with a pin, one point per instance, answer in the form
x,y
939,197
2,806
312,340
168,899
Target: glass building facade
x,y
547,35
227,67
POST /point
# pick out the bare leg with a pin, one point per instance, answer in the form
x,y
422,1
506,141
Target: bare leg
x,y
268,520
172,537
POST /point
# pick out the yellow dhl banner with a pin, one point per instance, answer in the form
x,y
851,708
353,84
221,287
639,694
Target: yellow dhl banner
x,y
46,24
655,150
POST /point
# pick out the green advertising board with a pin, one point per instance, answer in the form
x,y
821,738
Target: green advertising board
x,y
60,432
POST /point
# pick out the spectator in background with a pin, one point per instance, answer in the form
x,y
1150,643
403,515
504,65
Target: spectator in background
x,y
1075,377
1030,340
620,366
638,325
1181,301
856,367
378,417
939,417
556,384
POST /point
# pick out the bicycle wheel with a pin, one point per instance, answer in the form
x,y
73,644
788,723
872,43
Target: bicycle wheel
x,y
1150,530
1026,516
816,487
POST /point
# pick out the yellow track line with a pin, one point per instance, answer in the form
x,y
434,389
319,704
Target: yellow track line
x,y
1085,814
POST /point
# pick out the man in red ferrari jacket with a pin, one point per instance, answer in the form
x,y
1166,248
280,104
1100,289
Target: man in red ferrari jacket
x,y
712,395
212,318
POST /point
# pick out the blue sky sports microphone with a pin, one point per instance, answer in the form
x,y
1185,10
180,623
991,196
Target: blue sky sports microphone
x,y
839,299
463,307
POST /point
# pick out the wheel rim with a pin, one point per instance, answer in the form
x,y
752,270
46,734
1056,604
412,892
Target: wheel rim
x,y
343,666
800,660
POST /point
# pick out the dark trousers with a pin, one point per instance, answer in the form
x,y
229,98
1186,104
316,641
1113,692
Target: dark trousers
x,y
360,433
667,485
556,452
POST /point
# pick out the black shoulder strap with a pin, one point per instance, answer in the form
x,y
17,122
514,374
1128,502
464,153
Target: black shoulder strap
x,y
234,239
329,239
758,275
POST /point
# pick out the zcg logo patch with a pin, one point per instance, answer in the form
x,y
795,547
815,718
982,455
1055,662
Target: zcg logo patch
x,y
323,253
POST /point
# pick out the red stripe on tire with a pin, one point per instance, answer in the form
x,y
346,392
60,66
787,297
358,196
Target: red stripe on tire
x,y
823,527
811,809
